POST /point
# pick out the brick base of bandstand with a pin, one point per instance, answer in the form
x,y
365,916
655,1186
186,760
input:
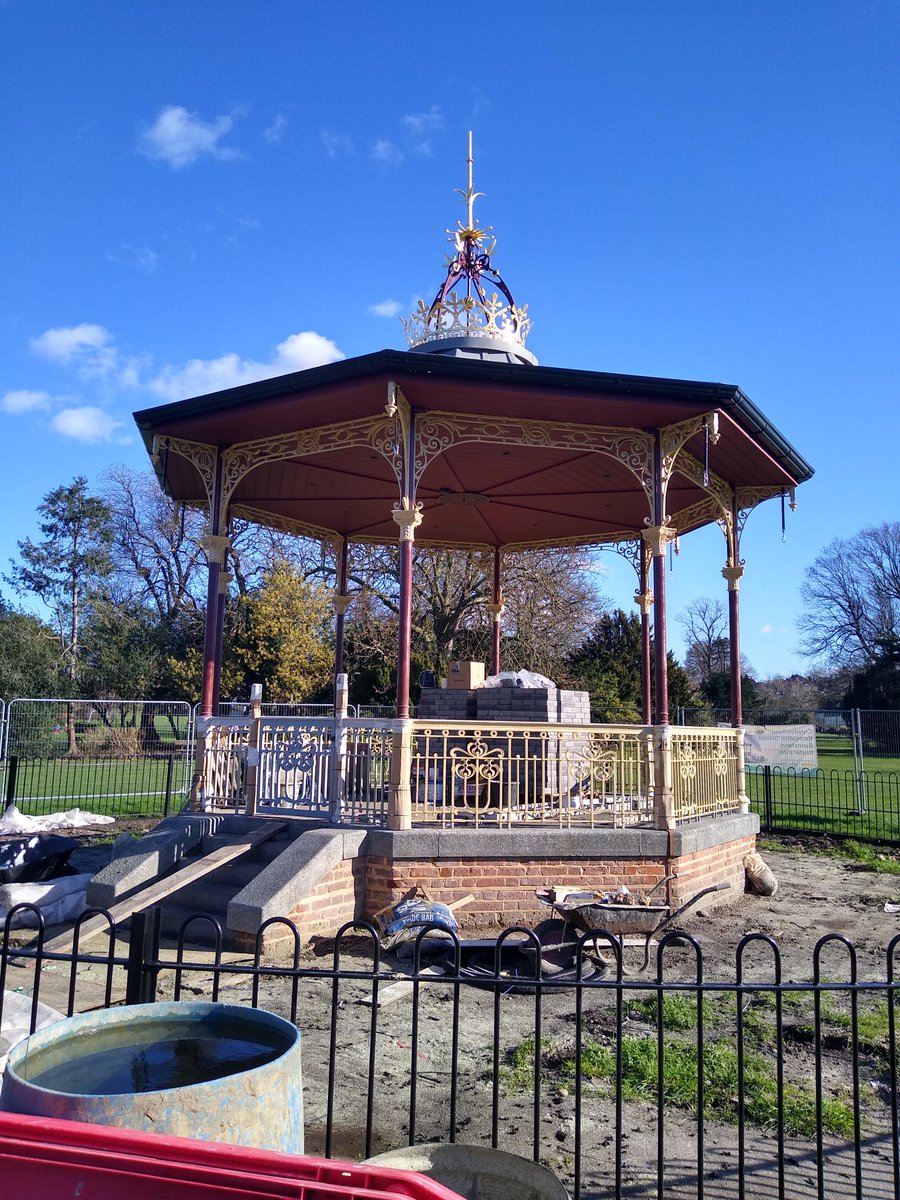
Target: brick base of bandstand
x,y
344,875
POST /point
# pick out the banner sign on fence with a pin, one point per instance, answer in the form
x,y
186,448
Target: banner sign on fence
x,y
785,746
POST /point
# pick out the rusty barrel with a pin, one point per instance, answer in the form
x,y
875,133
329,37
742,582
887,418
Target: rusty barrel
x,y
217,1072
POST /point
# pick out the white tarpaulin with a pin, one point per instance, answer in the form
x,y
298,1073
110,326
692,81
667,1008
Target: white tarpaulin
x,y
14,821
529,679
785,746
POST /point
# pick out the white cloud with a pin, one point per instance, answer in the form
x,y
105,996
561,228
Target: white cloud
x,y
86,346
141,258
179,137
24,401
337,145
387,308
275,132
767,629
200,376
86,424
386,153
419,125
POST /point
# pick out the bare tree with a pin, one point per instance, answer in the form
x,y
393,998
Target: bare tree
x,y
705,625
851,597
155,545
550,600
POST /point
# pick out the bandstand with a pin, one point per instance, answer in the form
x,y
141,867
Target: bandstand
x,y
464,441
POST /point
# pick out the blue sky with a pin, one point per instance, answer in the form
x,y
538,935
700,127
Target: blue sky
x,y
196,195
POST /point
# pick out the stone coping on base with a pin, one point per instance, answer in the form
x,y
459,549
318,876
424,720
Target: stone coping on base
x,y
636,842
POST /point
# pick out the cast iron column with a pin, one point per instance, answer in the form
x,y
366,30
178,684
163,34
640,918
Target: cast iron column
x,y
215,546
644,600
341,602
495,608
733,573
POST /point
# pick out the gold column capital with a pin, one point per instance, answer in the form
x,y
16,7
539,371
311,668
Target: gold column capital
x,y
408,519
733,575
644,601
340,603
657,537
215,546
495,608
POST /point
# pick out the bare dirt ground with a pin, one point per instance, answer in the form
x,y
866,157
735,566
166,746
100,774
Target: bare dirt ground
x,y
411,1066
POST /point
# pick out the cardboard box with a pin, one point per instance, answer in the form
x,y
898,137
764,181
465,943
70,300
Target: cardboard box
x,y
465,674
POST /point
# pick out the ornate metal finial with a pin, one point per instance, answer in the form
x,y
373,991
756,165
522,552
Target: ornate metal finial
x,y
462,308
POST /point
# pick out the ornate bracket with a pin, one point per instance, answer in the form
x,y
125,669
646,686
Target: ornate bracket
x,y
495,609
340,603
202,456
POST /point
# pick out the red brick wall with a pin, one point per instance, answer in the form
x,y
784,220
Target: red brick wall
x,y
504,888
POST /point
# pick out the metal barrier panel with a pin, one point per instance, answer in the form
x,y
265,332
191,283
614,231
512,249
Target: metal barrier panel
x,y
704,772
479,773
118,757
241,708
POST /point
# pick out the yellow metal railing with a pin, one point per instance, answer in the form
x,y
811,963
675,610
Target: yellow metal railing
x,y
470,774
223,743
475,774
705,773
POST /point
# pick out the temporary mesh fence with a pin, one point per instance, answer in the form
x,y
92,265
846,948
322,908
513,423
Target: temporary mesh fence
x,y
122,757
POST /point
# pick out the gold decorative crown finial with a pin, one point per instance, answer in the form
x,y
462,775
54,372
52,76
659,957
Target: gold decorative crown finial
x,y
462,308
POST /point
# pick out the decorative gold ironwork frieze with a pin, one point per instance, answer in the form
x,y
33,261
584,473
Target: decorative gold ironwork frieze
x,y
377,433
285,524
438,432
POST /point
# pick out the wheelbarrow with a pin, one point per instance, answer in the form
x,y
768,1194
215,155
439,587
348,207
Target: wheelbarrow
x,y
585,913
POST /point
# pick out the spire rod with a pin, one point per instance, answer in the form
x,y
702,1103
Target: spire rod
x,y
469,195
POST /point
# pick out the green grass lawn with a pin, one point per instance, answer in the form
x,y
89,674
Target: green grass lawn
x,y
834,799
114,787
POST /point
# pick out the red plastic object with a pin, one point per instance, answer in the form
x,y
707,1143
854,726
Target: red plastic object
x,y
46,1159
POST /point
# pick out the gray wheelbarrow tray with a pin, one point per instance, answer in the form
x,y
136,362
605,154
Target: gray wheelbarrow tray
x,y
583,913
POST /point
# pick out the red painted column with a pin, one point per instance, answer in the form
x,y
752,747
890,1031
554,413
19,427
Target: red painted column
x,y
221,604
341,601
495,608
660,653
215,547
405,631
645,599
657,537
733,574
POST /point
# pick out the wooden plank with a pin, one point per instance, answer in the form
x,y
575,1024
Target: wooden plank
x,y
160,888
396,991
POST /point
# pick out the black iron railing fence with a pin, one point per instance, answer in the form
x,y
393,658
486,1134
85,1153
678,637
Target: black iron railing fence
x,y
864,805
680,1085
